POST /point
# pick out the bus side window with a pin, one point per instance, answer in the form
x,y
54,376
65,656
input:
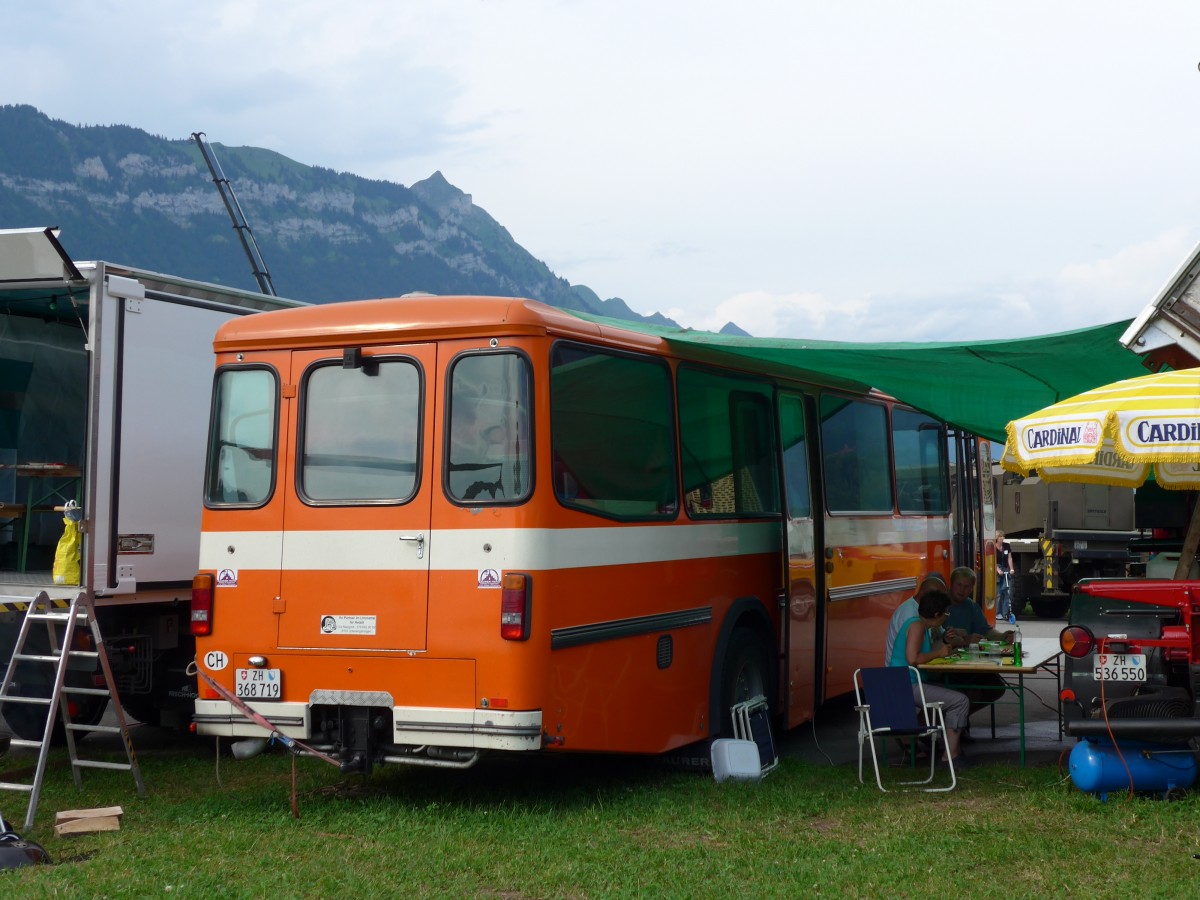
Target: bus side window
x,y
854,449
727,445
919,446
611,433
795,457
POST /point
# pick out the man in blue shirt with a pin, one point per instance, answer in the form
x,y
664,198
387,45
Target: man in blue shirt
x,y
966,616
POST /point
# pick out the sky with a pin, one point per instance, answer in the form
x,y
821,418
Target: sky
x,y
852,171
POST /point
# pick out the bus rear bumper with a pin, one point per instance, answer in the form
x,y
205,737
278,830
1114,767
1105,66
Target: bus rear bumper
x,y
478,729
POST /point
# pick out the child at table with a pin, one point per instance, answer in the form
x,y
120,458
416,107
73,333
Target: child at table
x,y
913,647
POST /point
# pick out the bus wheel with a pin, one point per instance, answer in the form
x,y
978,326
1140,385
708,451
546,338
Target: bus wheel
x,y
745,674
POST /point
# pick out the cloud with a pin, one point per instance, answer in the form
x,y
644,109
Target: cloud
x,y
1120,285
1093,292
764,314
871,172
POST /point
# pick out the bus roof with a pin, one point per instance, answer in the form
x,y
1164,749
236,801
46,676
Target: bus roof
x,y
976,386
428,317
418,317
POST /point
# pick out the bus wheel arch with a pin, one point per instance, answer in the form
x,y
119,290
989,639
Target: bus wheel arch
x,y
744,663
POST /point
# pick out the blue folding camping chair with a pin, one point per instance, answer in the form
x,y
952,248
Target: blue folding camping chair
x,y
886,708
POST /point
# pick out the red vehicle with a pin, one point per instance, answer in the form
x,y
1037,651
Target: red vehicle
x,y
1132,666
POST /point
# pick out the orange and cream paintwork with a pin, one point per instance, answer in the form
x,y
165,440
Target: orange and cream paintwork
x,y
630,624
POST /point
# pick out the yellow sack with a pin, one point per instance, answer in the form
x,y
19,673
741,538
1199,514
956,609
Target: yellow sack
x,y
66,556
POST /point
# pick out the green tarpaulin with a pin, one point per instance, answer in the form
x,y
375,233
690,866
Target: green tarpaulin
x,y
978,386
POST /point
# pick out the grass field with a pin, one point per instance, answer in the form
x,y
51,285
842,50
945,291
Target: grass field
x,y
595,827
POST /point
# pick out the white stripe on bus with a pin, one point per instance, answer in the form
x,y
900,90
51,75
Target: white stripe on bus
x,y
536,549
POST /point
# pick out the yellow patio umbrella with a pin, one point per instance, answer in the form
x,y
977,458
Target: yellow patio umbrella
x,y
1117,434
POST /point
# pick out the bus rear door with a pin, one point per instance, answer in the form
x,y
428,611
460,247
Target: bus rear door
x,y
356,527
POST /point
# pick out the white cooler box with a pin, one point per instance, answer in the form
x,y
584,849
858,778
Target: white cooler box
x,y
735,760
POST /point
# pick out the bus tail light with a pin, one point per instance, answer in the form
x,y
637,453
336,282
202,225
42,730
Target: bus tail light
x,y
202,604
514,608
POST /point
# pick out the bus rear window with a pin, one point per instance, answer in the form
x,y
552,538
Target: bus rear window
x,y
241,453
611,433
490,448
360,432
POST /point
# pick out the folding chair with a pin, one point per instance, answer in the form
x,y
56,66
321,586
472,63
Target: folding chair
x,y
752,722
886,708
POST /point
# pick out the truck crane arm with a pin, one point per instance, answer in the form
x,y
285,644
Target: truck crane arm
x,y
257,264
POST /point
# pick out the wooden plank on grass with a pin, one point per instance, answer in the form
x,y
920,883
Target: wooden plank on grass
x,y
90,825
88,821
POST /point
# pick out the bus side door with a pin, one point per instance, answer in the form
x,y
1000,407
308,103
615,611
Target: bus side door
x,y
800,626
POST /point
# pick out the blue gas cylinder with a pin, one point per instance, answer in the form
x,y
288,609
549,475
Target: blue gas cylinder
x,y
1096,767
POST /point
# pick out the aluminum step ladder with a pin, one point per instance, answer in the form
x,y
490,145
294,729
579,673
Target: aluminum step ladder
x,y
62,626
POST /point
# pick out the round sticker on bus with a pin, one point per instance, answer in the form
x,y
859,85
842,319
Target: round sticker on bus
x,y
215,660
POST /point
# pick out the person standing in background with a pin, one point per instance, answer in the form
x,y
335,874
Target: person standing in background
x,y
1004,579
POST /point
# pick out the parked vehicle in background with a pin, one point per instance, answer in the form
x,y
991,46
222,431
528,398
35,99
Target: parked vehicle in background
x,y
1132,660
440,526
106,374
1060,534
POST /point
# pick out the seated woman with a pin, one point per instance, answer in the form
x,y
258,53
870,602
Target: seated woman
x,y
914,647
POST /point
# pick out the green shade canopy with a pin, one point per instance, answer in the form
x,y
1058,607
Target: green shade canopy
x,y
977,386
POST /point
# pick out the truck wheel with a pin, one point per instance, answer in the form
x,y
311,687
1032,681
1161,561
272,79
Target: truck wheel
x,y
28,720
1051,606
745,674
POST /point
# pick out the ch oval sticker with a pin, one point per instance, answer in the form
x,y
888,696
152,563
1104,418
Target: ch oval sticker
x,y
215,660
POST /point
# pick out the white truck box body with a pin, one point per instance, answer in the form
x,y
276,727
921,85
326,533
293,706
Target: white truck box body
x,y
111,371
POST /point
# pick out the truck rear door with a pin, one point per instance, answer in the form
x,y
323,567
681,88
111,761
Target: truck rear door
x,y
356,512
148,440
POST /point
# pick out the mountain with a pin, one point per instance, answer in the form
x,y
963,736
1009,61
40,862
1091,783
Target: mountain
x,y
126,196
731,329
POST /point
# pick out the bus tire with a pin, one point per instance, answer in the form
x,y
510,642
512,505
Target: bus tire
x,y
745,674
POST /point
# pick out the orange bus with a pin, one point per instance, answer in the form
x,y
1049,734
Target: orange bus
x,y
438,526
